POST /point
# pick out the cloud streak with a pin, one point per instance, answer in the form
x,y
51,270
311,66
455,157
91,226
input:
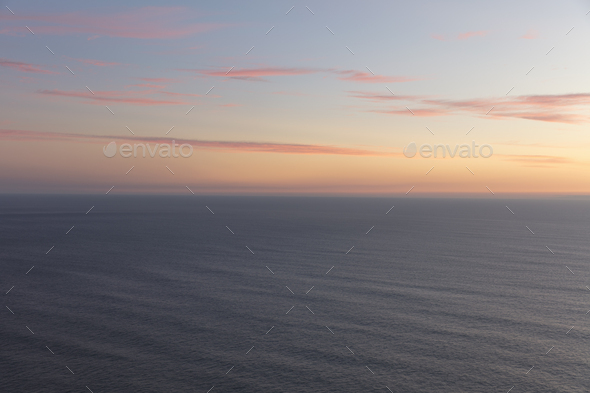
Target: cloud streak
x,y
260,73
142,23
557,108
126,97
24,67
237,146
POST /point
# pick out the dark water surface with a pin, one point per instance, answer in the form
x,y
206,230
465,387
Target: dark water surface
x,y
155,294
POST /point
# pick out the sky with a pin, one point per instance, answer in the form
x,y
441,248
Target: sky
x,y
294,98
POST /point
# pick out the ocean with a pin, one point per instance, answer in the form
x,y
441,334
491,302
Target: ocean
x,y
293,294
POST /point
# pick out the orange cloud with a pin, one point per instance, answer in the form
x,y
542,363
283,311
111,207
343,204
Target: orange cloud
x,y
536,160
24,67
144,23
252,147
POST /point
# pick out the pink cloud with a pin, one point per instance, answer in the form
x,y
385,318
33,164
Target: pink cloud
x,y
439,37
256,74
239,146
148,85
531,35
125,97
469,34
558,108
147,23
24,67
97,62
414,112
365,77
158,80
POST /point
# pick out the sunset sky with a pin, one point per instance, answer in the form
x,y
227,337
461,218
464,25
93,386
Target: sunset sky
x,y
295,98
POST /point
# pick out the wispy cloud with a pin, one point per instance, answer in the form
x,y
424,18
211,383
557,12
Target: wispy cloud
x,y
126,97
530,35
471,34
239,146
24,67
256,74
259,74
159,80
98,63
366,77
143,23
536,160
558,108
461,36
